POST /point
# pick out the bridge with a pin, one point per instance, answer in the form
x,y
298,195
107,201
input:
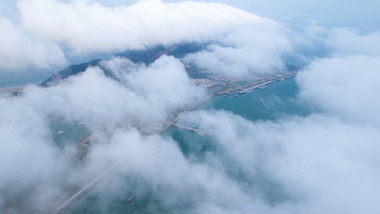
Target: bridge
x,y
196,131
67,204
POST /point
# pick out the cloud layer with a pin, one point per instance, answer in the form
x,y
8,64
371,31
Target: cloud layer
x,y
34,166
241,41
352,80
19,50
250,49
79,25
325,162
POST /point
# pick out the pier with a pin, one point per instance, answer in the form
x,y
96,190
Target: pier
x,y
255,84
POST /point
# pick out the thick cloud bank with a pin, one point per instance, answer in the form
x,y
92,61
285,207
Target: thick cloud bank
x,y
250,49
344,86
18,50
80,25
324,162
35,169
238,40
315,164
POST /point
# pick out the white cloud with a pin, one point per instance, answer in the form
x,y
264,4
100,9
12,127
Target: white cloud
x,y
146,93
345,86
344,82
315,164
324,162
18,50
182,186
84,28
252,49
34,166
90,27
299,13
348,41
166,79
316,41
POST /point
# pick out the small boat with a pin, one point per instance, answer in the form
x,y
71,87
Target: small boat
x,y
130,199
60,132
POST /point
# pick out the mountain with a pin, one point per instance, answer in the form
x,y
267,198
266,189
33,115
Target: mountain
x,y
137,56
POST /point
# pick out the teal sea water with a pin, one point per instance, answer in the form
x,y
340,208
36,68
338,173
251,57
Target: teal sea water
x,y
276,101
15,79
271,103
66,133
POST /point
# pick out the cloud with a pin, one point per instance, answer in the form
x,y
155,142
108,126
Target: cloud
x,y
57,29
342,80
252,49
31,166
80,26
19,50
181,186
348,41
323,162
298,13
165,79
146,94
344,86
35,167
315,41
310,164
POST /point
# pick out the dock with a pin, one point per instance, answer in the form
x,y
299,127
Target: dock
x,y
252,85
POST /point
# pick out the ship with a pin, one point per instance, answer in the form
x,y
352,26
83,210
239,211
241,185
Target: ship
x,y
130,199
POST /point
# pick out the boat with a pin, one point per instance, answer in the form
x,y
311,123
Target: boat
x,y
130,199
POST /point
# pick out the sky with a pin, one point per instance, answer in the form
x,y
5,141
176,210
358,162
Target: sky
x,y
323,162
